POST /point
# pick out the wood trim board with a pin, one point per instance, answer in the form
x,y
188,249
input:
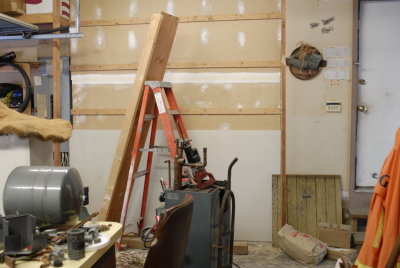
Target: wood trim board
x,y
45,18
283,112
56,54
185,19
179,65
151,66
189,111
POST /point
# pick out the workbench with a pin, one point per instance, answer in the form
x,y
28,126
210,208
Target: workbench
x,y
104,257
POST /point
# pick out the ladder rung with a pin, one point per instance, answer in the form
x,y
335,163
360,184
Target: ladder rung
x,y
173,112
140,173
148,117
154,149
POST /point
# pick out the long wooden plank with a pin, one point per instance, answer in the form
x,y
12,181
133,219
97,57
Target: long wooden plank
x,y
152,66
301,204
321,200
291,193
45,18
330,199
283,109
201,18
338,199
187,111
311,206
179,65
56,78
275,208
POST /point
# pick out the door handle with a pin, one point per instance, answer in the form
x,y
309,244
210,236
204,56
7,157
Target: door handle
x,y
362,81
362,108
306,196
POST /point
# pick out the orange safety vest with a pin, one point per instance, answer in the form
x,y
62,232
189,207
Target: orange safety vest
x,y
384,214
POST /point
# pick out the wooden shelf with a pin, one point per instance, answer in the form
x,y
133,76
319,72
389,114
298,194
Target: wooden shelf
x,y
45,18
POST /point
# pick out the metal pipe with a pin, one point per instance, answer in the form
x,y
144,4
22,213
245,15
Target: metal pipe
x,y
169,172
230,172
178,173
42,37
204,157
228,195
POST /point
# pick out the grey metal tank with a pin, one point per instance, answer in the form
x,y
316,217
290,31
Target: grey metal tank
x,y
53,194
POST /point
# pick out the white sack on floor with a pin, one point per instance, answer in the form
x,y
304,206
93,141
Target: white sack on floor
x,y
300,246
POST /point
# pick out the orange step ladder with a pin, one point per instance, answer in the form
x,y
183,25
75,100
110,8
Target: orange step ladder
x,y
153,89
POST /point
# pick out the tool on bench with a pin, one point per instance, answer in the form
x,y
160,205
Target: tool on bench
x,y
162,109
194,162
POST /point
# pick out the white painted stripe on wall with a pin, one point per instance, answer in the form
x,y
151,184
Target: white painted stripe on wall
x,y
181,78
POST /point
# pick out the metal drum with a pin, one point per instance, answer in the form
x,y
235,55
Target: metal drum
x,y
53,194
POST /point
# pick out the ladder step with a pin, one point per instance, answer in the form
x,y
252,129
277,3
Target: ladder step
x,y
148,117
155,84
154,149
172,112
140,173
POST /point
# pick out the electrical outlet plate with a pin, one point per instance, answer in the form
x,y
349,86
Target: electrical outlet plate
x,y
333,107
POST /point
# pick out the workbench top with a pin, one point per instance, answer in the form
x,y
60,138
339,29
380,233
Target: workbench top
x,y
91,257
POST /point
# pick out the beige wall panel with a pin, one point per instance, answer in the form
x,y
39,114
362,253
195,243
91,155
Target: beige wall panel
x,y
109,44
238,88
203,41
309,127
108,9
192,122
232,122
227,41
92,152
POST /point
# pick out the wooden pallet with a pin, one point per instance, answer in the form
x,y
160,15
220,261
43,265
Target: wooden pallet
x,y
310,199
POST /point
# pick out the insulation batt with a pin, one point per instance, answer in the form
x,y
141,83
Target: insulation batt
x,y
23,125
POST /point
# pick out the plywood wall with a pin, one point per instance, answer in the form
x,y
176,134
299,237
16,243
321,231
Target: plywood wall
x,y
225,70
319,142
231,44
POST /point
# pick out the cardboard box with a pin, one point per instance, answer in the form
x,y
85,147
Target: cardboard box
x,y
12,7
335,235
240,248
336,253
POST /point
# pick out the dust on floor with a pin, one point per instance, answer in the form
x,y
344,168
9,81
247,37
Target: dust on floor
x,y
261,255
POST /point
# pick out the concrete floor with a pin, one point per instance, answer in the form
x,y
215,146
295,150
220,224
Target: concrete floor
x,y
263,255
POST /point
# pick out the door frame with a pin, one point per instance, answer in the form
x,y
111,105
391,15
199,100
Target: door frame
x,y
358,197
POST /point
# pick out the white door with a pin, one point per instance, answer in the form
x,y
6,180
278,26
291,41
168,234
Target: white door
x,y
379,94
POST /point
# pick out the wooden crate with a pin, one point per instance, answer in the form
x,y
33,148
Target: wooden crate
x,y
12,7
310,199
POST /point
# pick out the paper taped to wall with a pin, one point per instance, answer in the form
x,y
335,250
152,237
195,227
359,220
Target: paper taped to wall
x,y
336,74
336,52
343,63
